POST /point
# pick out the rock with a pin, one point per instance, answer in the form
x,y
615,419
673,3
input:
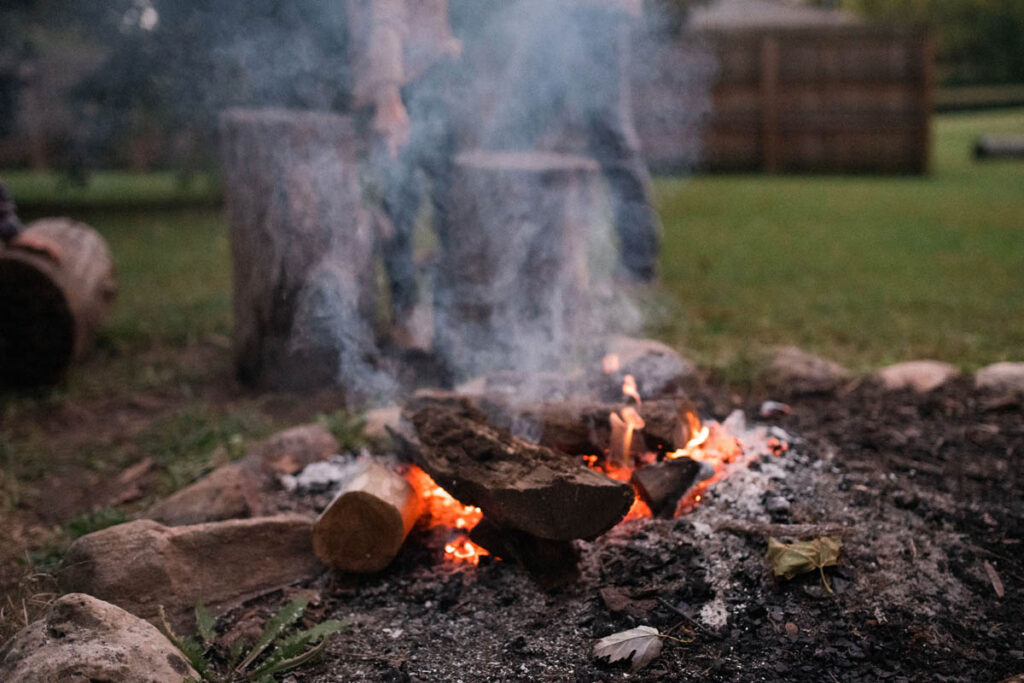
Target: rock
x,y
290,451
379,420
919,375
141,565
229,492
658,368
82,639
1004,377
800,372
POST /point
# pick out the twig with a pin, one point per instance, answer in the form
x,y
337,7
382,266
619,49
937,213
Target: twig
x,y
785,530
693,622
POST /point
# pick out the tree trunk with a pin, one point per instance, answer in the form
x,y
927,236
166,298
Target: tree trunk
x,y
302,244
512,273
365,526
50,312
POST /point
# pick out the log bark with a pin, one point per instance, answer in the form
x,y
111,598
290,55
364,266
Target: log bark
x,y
302,247
517,484
364,527
573,427
50,312
511,282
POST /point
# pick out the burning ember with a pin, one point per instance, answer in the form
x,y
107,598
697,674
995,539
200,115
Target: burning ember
x,y
444,511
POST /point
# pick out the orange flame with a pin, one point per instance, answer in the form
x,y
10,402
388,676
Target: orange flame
x,y
629,389
624,424
444,510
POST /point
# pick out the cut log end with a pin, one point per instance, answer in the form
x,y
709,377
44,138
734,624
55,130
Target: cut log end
x,y
37,328
363,529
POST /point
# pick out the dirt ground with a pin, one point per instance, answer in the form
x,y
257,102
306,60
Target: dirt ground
x,y
930,486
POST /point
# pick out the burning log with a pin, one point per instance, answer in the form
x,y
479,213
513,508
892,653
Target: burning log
x,y
512,274
662,484
573,427
366,524
517,484
50,311
551,564
302,249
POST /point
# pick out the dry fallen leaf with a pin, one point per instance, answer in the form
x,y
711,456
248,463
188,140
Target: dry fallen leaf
x,y
643,643
788,560
993,576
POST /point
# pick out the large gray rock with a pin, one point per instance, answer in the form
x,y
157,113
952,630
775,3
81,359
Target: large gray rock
x,y
290,451
658,368
1004,377
229,492
798,372
141,565
82,639
918,375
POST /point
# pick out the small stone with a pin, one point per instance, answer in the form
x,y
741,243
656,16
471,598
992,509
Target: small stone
x,y
229,492
776,505
1004,377
290,451
141,565
85,639
921,376
799,372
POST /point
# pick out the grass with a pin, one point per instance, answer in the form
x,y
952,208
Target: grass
x,y
110,189
865,270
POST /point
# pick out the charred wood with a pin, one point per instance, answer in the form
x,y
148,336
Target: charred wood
x,y
662,484
551,564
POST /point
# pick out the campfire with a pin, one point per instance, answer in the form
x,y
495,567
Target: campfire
x,y
499,478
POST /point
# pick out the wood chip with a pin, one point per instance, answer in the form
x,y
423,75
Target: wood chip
x,y
993,576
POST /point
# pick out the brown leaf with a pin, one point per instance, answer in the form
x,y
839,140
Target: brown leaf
x,y
788,560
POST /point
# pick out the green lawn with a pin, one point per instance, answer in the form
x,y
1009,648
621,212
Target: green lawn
x,y
110,188
866,270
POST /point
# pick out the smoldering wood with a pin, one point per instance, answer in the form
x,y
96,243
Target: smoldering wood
x,y
512,275
517,484
661,485
364,527
302,245
51,311
573,427
551,564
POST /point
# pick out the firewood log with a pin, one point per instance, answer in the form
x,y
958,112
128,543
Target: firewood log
x,y
517,484
51,311
366,524
551,564
662,485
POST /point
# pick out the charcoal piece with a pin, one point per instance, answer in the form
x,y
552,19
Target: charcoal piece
x,y
662,484
517,484
551,564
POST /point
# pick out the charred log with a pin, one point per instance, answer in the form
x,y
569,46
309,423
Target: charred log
x,y
662,484
517,484
551,564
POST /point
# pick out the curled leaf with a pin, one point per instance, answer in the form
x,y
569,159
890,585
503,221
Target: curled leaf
x,y
788,560
642,643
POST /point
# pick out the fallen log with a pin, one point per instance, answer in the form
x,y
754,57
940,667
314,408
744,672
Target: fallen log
x,y
51,311
364,527
573,427
517,484
662,484
551,564
999,147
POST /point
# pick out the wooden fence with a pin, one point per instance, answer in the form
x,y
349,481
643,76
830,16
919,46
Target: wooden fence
x,y
849,99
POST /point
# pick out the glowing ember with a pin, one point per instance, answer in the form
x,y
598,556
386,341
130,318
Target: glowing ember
x,y
629,389
444,511
610,364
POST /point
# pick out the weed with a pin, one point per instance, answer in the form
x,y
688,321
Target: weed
x,y
281,647
346,427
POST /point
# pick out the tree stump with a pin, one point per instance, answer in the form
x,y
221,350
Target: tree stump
x,y
50,312
302,245
512,275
